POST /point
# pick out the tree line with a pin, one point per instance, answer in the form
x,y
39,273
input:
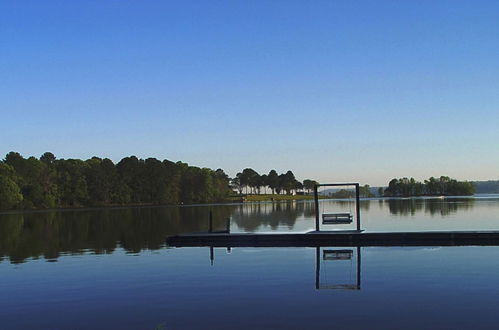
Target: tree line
x,y
250,182
47,182
443,186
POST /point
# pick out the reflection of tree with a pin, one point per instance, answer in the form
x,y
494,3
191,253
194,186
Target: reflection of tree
x,y
54,233
49,234
365,205
404,206
443,207
250,217
309,209
345,204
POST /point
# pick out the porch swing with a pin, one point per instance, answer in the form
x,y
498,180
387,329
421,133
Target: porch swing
x,y
337,218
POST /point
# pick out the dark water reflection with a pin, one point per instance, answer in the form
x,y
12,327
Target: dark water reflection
x,y
48,235
251,217
433,206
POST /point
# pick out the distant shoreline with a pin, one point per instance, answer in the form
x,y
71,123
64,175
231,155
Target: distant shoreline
x,y
236,200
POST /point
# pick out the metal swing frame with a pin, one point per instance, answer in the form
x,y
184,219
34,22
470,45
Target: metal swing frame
x,y
339,216
321,286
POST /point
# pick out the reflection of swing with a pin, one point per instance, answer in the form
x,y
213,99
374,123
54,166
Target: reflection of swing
x,y
336,255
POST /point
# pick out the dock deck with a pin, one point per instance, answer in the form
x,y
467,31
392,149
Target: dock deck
x,y
338,238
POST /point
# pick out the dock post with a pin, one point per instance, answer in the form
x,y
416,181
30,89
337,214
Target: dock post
x,y
357,204
359,267
317,267
212,255
316,199
210,228
227,226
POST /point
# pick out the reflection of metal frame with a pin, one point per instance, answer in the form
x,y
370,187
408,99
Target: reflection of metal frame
x,y
212,254
337,254
345,254
357,201
327,255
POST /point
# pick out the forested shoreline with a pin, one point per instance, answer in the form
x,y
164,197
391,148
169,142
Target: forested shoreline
x,y
442,186
48,182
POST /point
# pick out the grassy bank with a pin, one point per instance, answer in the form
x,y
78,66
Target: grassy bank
x,y
232,199
270,197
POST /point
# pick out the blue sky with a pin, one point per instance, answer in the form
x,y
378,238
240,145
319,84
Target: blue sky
x,y
334,90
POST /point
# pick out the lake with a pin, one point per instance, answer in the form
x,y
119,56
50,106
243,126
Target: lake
x,y
111,268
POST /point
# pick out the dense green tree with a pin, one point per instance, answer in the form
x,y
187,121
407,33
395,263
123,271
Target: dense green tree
x,y
35,179
273,180
258,183
221,183
48,158
264,181
130,170
280,183
104,184
250,178
288,182
365,191
72,183
343,193
298,186
236,183
10,194
48,179
309,185
432,186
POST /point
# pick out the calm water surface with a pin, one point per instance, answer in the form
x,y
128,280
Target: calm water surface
x,y
112,269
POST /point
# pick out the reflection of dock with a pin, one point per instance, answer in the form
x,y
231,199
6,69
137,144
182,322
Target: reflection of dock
x,y
339,238
332,279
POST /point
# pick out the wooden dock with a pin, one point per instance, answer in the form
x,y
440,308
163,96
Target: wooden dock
x,y
338,238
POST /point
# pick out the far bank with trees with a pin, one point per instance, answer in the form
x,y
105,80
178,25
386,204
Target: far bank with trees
x,y
442,186
48,182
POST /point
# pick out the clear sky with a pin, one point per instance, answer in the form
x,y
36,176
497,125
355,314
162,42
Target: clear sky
x,y
334,90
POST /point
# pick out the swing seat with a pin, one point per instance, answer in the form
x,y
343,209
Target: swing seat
x,y
336,218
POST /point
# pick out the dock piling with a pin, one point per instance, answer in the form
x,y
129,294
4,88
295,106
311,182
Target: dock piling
x,y
316,199
210,228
